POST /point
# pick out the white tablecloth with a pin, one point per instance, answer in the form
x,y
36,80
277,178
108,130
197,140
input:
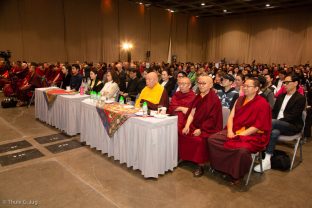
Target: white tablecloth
x,y
148,144
64,113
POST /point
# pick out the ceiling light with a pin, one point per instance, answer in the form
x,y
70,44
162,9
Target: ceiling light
x,y
171,11
140,3
224,10
203,4
267,5
127,46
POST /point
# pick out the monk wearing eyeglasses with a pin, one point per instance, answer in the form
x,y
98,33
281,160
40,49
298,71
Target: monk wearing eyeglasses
x,y
248,131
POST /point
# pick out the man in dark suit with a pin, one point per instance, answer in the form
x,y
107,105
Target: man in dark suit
x,y
76,78
286,117
132,89
167,82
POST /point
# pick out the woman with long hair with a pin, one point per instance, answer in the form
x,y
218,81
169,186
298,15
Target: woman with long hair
x,y
96,84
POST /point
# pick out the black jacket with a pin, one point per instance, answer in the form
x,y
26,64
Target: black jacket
x,y
133,88
293,110
75,82
169,86
66,80
97,86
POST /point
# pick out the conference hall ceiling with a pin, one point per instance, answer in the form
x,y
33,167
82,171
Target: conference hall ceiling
x,y
209,8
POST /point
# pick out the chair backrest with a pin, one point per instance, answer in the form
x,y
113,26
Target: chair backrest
x,y
304,116
298,135
225,114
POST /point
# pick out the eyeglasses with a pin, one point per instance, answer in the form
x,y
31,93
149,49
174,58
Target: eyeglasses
x,y
201,83
287,82
247,86
183,84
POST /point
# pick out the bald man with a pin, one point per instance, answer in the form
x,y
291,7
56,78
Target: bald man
x,y
204,119
153,94
181,101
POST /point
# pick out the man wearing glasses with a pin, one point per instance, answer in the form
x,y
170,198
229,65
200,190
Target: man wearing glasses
x,y
248,130
204,119
287,117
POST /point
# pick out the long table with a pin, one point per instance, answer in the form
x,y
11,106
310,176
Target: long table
x,y
64,114
148,144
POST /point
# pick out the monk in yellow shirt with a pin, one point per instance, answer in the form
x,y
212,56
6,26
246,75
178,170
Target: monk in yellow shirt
x,y
153,94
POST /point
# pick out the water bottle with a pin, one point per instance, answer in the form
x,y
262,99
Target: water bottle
x,y
81,90
86,87
98,97
121,100
92,96
144,109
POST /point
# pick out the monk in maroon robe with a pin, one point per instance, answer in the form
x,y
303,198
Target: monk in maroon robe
x,y
50,73
181,101
32,81
204,119
248,131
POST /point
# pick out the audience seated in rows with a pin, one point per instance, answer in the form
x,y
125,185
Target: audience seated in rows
x,y
31,81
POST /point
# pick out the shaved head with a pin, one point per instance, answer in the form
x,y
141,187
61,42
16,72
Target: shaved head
x,y
205,83
184,84
151,79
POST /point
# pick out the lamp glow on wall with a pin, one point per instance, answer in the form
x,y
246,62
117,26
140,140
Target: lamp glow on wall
x,y
126,46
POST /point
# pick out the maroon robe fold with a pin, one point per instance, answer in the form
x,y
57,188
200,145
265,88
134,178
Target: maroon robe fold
x,y
207,118
232,156
180,99
256,113
33,81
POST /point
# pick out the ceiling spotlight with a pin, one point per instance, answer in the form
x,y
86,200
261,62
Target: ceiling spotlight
x,y
224,10
267,5
171,11
203,4
140,3
197,16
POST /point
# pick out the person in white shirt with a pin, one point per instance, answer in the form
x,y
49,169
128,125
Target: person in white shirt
x,y
286,117
111,89
280,80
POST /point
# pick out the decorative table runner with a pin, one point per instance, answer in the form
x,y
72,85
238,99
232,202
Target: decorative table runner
x,y
114,115
50,95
